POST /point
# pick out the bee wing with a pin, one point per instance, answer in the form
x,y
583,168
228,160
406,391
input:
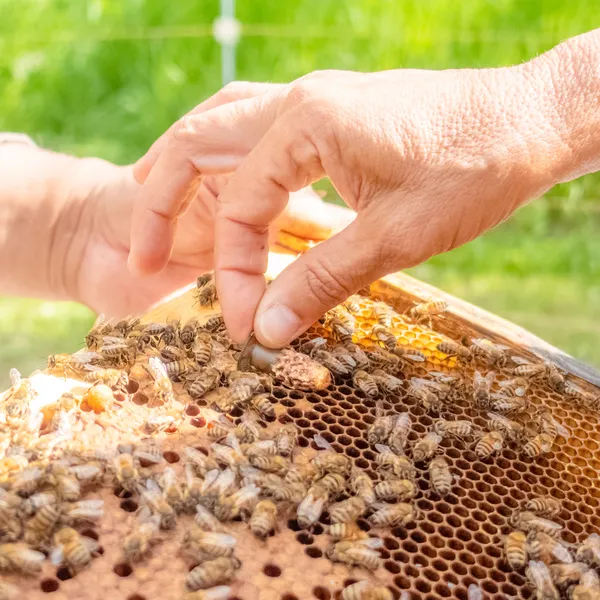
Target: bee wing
x,y
222,539
87,509
382,448
372,542
210,479
220,592
490,378
157,367
85,472
562,430
322,443
520,360
57,555
152,487
24,553
85,357
477,379
15,377
100,320
474,592
502,347
413,356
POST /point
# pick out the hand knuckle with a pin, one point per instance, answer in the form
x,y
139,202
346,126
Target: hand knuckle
x,y
325,286
233,90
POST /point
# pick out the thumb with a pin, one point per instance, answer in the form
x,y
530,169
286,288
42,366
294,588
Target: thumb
x,y
319,280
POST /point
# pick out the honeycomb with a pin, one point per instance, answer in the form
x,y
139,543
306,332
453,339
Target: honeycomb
x,y
456,541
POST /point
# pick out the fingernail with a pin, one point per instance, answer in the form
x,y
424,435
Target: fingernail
x,y
278,325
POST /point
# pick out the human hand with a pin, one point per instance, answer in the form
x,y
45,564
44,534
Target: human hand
x,y
97,221
429,160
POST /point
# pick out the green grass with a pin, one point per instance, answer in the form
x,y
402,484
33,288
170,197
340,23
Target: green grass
x,y
105,77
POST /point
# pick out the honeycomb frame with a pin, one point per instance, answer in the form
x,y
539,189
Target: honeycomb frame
x,y
456,541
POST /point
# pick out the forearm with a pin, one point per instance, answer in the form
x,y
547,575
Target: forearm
x,y
41,194
566,81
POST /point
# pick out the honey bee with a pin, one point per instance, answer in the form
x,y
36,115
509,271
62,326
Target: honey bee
x,y
171,489
311,507
29,506
206,294
509,404
528,521
344,355
551,426
383,314
265,447
380,429
366,590
587,589
215,323
207,545
589,551
330,361
201,463
379,358
99,329
162,384
362,485
119,351
399,435
286,439
312,345
188,332
388,383
205,519
241,502
26,482
202,382
21,558
213,573
426,447
262,404
580,396
334,483
302,473
539,444
264,518
73,549
358,355
541,546
126,473
346,531
40,526
391,515
489,443
287,492
147,451
541,581
398,490
73,363
366,383
399,466
407,353
10,524
347,511
329,461
458,428
517,386
565,575
271,464
248,431
421,390
482,387
158,505
202,348
355,553
511,430
452,348
83,511
546,370
515,550
127,325
144,535
385,336
342,326
440,476
425,310
493,354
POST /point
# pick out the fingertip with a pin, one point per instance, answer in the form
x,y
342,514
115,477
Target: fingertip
x,y
239,295
141,169
277,325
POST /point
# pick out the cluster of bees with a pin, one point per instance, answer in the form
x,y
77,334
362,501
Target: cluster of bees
x,y
554,569
251,471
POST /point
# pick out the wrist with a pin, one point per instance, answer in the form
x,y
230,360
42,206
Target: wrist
x,y
565,86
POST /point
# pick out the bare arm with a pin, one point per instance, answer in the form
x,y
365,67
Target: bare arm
x,y
428,159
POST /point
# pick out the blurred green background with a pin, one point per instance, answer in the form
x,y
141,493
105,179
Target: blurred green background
x,y
106,77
